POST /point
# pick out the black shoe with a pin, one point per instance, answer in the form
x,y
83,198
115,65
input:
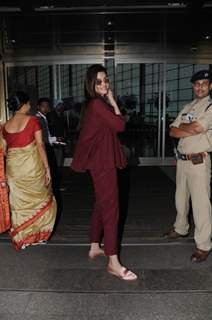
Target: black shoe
x,y
199,255
173,235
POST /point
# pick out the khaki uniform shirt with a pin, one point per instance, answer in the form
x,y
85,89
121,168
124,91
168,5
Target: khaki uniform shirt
x,y
196,111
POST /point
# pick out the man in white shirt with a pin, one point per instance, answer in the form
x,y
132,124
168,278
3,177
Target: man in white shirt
x,y
193,128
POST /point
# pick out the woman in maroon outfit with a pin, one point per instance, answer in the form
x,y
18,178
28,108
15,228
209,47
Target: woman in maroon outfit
x,y
99,151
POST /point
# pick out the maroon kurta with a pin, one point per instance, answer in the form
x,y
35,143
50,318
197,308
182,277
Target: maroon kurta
x,y
98,145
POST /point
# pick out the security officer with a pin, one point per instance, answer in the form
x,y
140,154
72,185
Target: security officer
x,y
193,127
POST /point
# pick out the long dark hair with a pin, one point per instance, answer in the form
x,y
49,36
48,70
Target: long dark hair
x,y
90,80
18,100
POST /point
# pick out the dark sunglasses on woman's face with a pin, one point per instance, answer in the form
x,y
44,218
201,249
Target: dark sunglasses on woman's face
x,y
99,81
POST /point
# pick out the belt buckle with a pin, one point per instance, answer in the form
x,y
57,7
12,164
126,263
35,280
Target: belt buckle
x,y
197,158
184,157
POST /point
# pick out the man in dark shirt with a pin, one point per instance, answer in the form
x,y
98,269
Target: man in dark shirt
x,y
58,128
42,110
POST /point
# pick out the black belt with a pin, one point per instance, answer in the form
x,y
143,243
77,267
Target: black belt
x,y
182,156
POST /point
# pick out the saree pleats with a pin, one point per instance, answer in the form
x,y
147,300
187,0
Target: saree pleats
x,y
32,206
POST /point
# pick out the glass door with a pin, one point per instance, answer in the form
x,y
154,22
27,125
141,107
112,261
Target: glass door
x,y
151,95
139,90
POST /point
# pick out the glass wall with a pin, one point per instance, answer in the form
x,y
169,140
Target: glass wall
x,y
65,76
137,89
109,64
43,81
149,95
128,86
38,81
77,81
35,80
178,85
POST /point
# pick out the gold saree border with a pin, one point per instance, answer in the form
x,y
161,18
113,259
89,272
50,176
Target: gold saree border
x,y
36,216
32,238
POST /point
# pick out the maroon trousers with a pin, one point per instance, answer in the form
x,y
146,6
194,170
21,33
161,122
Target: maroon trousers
x,y
104,220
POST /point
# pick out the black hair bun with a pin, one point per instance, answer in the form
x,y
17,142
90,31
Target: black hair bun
x,y
16,101
13,103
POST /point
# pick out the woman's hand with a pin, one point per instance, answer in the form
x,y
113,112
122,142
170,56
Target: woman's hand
x,y
110,98
112,102
47,177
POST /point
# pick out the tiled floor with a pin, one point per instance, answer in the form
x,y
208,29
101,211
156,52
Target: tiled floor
x,y
57,281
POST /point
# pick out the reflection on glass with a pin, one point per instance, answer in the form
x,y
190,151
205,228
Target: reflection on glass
x,y
37,81
141,95
137,94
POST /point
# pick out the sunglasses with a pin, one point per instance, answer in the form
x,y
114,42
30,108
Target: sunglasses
x,y
98,82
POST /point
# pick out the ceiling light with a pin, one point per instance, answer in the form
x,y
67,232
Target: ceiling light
x,y
193,49
44,8
176,4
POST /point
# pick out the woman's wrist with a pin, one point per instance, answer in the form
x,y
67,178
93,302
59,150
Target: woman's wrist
x,y
117,111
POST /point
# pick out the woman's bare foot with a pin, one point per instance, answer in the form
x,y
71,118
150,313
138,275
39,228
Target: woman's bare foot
x,y
115,268
123,274
95,251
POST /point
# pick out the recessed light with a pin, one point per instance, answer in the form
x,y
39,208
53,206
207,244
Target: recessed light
x,y
194,49
176,4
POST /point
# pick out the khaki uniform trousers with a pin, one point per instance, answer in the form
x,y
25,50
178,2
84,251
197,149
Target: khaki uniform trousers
x,y
194,181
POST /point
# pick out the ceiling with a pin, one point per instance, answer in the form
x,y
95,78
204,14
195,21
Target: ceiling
x,y
53,23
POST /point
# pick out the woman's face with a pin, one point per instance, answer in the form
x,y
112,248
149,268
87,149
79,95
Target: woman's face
x,y
102,84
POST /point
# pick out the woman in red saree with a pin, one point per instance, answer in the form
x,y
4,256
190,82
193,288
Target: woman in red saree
x,y
32,205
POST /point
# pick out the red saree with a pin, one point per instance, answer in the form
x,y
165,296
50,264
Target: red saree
x,y
4,203
32,205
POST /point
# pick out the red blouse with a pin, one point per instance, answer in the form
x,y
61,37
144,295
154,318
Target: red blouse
x,y
23,137
98,145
